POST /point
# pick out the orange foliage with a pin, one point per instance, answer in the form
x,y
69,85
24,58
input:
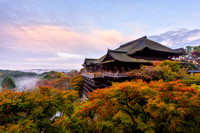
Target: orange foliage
x,y
140,106
35,111
57,80
166,70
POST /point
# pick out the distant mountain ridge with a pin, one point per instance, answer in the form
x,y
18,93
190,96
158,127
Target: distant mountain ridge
x,y
16,74
40,71
178,38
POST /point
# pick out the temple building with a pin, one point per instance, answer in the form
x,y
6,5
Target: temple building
x,y
114,66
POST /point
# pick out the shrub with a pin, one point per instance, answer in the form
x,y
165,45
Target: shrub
x,y
174,65
188,65
192,79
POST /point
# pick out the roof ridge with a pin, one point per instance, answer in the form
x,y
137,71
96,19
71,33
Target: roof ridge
x,y
159,44
131,42
178,48
116,51
90,59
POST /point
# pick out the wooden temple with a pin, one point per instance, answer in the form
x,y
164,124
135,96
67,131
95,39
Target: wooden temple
x,y
115,64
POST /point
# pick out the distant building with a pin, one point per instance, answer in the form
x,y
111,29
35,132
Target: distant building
x,y
113,66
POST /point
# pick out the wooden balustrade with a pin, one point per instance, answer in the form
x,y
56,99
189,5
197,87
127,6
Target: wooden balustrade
x,y
105,74
93,75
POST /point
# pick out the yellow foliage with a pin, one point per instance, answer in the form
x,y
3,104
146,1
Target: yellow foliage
x,y
77,82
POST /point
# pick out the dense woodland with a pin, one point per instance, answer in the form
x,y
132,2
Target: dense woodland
x,y
160,98
16,74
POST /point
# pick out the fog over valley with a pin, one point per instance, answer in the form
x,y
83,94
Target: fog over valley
x,y
26,83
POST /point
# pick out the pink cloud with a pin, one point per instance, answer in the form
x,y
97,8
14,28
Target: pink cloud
x,y
59,39
60,56
40,59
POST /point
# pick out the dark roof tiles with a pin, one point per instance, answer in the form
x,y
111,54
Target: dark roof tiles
x,y
122,53
123,57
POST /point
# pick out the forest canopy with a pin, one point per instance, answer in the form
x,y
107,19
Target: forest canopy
x,y
16,74
159,98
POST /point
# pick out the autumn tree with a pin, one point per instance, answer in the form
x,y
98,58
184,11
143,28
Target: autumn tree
x,y
166,70
174,65
77,83
194,54
36,111
138,106
188,65
57,80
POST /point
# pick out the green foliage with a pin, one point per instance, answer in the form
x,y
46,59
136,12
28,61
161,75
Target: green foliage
x,y
35,111
196,48
16,74
192,79
174,65
188,49
8,83
50,72
188,65
197,87
49,75
193,51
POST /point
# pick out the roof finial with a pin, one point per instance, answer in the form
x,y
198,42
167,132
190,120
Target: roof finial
x,y
145,37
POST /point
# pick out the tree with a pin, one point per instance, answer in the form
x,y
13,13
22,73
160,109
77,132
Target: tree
x,y
188,49
138,106
8,83
195,53
36,111
166,70
174,65
57,80
77,83
197,48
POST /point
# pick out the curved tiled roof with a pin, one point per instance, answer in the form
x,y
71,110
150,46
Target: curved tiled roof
x,y
89,61
122,53
141,43
123,57
100,60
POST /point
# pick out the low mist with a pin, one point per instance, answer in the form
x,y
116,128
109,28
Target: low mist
x,y
27,83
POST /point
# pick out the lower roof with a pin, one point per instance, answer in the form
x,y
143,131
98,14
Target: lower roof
x,y
123,57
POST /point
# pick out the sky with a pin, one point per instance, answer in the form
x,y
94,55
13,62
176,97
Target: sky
x,y
60,34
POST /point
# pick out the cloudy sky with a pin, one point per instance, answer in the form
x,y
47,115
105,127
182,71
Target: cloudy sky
x,y
51,34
